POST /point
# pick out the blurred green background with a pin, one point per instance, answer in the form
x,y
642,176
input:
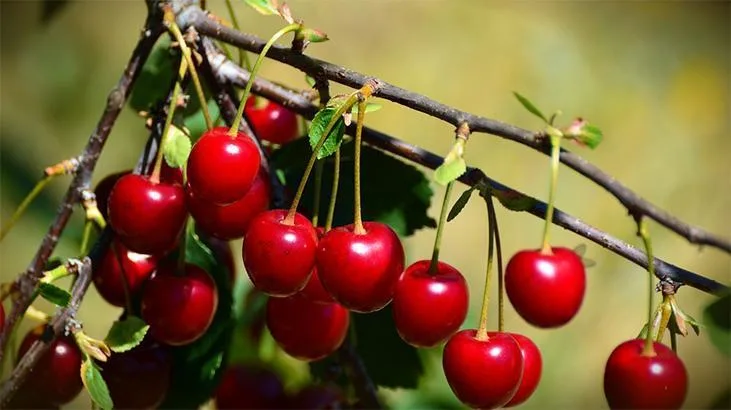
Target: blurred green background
x,y
654,75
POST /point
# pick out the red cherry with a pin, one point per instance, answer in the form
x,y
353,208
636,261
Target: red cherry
x,y
361,270
306,330
230,221
318,396
104,188
138,378
171,175
483,374
532,367
546,290
110,275
271,121
635,381
2,317
278,257
56,376
148,217
179,308
249,387
314,291
221,168
428,308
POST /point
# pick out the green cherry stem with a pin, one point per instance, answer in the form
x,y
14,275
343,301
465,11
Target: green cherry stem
x,y
674,342
155,177
24,205
333,192
240,113
319,165
243,56
358,228
482,329
642,230
499,249
88,225
555,139
440,230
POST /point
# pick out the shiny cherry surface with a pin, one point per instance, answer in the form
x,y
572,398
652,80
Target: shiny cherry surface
x,y
120,268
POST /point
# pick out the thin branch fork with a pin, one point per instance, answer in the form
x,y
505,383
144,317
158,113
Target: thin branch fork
x,y
193,16
228,71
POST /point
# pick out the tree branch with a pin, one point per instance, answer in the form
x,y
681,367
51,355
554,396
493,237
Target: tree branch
x,y
636,205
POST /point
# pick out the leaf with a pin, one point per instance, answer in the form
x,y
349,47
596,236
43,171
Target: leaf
x,y
95,385
312,35
680,319
643,332
584,133
310,81
317,129
194,121
460,203
177,147
528,105
125,334
514,200
450,171
54,294
265,7
370,107
157,74
393,192
717,320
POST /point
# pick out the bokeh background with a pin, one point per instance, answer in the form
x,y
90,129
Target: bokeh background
x,y
654,75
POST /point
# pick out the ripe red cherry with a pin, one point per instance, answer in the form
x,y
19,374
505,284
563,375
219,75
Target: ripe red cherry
x,y
532,367
104,188
306,330
138,378
2,317
249,387
314,291
120,267
428,308
278,257
148,217
271,121
171,175
230,221
546,290
635,381
361,270
483,374
56,376
221,168
179,307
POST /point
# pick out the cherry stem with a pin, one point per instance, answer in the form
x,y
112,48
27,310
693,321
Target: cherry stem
x,y
333,192
645,235
24,205
182,245
155,177
499,249
433,266
243,56
555,152
85,237
318,192
674,342
37,315
358,228
187,56
61,271
240,113
125,282
482,330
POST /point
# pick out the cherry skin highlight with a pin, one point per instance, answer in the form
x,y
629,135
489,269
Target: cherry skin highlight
x,y
361,270
220,168
278,257
118,266
306,330
633,380
427,308
179,308
230,221
483,374
532,368
249,387
147,217
271,121
546,290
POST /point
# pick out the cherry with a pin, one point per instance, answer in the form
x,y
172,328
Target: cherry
x,y
230,221
314,291
221,168
428,308
482,373
179,308
104,188
138,378
110,275
633,380
56,376
546,290
271,121
318,396
171,175
532,367
279,257
249,387
148,217
306,330
361,270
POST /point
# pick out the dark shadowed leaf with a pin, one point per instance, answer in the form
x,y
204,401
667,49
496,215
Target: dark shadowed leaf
x,y
460,203
54,294
51,9
157,74
717,320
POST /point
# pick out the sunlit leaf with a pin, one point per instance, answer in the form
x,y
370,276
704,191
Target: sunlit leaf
x,y
95,385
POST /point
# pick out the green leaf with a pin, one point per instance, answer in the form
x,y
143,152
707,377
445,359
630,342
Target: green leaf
x,y
584,133
157,74
312,35
54,294
177,147
460,203
317,129
370,107
265,7
453,166
393,192
125,334
514,200
310,81
528,105
717,320
95,385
